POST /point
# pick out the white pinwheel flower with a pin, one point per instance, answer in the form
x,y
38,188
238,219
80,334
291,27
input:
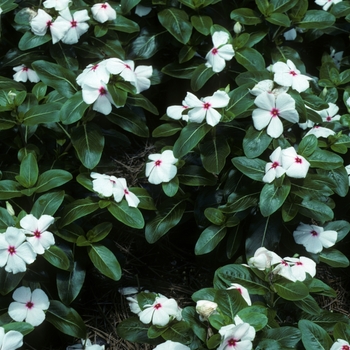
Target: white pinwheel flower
x,y
264,259
103,184
39,238
267,85
296,166
340,344
171,345
205,308
86,344
58,5
205,108
93,73
326,4
161,168
220,53
103,12
274,169
10,340
286,74
330,114
284,269
243,291
15,253
314,238
99,95
75,23
301,266
120,190
270,109
23,73
237,337
320,131
29,306
160,312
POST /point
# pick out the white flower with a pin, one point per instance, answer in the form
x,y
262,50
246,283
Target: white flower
x,y
15,253
347,168
221,52
40,239
306,125
284,269
314,238
326,4
99,96
270,108
160,312
74,25
237,337
120,190
290,34
286,74
205,308
340,344
330,114
29,306
264,259
142,11
296,166
24,73
161,168
320,131
11,340
205,108
274,168
177,112
243,291
103,12
171,345
87,345
262,86
94,73
301,266
59,5
336,57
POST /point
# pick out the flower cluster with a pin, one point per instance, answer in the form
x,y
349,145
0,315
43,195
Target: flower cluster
x,y
199,109
108,186
285,161
95,77
294,269
19,247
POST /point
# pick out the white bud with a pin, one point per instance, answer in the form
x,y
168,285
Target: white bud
x,y
237,28
205,308
9,209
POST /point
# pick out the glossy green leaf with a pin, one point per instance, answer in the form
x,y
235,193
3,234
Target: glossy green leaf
x,y
9,189
129,216
30,40
291,290
202,23
209,239
214,153
99,232
215,216
286,336
250,59
246,16
200,76
28,174
255,142
9,281
127,5
73,109
166,130
47,204
123,24
316,19
334,258
230,301
342,331
279,19
51,179
194,175
57,257
42,114
253,168
313,336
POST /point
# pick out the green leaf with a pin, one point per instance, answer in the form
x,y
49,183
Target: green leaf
x,y
171,187
129,216
51,179
146,45
254,316
127,5
325,160
291,290
214,153
99,232
166,130
194,175
334,258
340,179
88,142
253,168
202,24
57,257
200,76
6,219
315,210
182,71
250,59
30,40
190,315
42,114
123,24
342,331
279,19
28,174
141,101
73,109
308,305
245,16
59,78
9,281
230,302
177,23
66,319
47,204
341,226
313,336
209,239
287,337
22,327
69,283
215,216
146,201
178,332
255,142
167,218
105,261
272,197
9,189
189,137
316,19
307,145
283,5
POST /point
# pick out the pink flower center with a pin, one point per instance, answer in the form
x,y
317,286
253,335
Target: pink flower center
x,y
11,250
329,118
284,263
126,191
344,347
292,73
29,305
214,51
298,160
274,112
275,165
158,162
102,91
25,69
299,263
73,23
127,66
314,233
206,105
103,6
232,342
158,306
37,233
48,24
94,67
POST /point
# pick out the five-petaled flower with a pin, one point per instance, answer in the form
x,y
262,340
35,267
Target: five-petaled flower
x,y
274,168
326,4
39,238
314,238
270,108
296,166
23,73
340,344
29,306
286,74
103,12
204,108
94,72
320,131
171,345
161,168
330,114
15,253
237,337
220,53
59,5
160,312
10,340
295,269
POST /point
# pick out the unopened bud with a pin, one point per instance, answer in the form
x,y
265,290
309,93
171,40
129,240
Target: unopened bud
x,y
11,96
237,28
205,308
324,91
9,209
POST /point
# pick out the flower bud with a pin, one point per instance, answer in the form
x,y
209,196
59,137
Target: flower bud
x,y
9,209
237,28
205,308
